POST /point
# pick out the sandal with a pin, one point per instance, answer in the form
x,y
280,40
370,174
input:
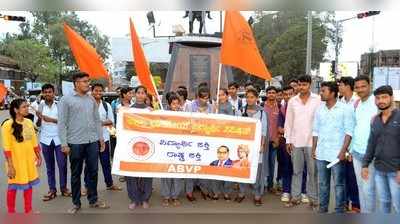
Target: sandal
x,y
239,199
176,202
292,203
190,198
114,188
165,202
257,202
100,205
66,193
74,210
227,198
50,196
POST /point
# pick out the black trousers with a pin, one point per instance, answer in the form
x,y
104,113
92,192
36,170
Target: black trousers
x,y
88,153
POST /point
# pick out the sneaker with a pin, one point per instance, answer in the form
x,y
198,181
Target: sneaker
x,y
285,197
304,199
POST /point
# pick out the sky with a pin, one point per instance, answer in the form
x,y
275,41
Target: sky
x,y
358,34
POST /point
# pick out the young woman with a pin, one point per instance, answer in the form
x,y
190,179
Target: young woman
x,y
126,96
200,105
139,188
22,155
224,106
253,110
171,187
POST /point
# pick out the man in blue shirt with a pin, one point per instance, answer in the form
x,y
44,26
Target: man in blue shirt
x,y
365,109
332,131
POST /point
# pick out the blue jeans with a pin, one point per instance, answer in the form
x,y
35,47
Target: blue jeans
x,y
324,179
388,191
272,152
366,189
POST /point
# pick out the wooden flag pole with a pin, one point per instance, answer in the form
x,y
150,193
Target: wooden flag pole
x,y
218,86
158,96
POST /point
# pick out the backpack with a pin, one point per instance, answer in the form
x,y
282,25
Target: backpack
x,y
246,115
105,106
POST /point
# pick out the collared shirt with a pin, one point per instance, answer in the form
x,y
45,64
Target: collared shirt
x,y
384,144
331,126
364,112
235,103
79,120
299,120
104,115
352,100
273,118
48,130
195,107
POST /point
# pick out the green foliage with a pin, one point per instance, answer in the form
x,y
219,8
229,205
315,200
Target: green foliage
x,y
282,40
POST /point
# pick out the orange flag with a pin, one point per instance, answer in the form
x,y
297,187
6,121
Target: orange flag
x,y
239,48
85,55
3,91
141,66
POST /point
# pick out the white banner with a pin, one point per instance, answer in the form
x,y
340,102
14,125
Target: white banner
x,y
171,144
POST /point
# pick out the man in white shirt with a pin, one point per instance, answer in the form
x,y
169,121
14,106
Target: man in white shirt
x,y
107,119
50,143
234,99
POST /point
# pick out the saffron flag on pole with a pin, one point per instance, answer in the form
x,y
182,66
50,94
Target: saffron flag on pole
x,y
239,48
141,65
85,55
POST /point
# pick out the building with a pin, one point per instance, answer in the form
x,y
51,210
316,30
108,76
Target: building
x,y
10,74
385,58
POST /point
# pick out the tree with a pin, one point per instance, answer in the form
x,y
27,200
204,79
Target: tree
x,y
282,40
33,58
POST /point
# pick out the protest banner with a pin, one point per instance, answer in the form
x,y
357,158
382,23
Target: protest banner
x,y
171,144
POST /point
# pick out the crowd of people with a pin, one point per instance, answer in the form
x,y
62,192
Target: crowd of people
x,y
307,141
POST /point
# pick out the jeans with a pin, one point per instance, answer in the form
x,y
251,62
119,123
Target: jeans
x,y
366,189
105,162
299,156
272,154
88,153
388,191
324,181
51,154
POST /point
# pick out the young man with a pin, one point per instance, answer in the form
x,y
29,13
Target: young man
x,y
107,121
50,144
294,83
298,133
234,99
346,88
332,131
271,108
383,148
81,136
365,110
286,159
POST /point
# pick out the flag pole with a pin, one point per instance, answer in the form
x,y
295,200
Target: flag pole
x,y
158,96
219,85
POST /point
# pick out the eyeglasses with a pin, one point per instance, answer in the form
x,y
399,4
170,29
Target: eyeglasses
x,y
224,152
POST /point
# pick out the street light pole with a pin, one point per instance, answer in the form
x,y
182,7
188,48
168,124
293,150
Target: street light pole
x,y
309,43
